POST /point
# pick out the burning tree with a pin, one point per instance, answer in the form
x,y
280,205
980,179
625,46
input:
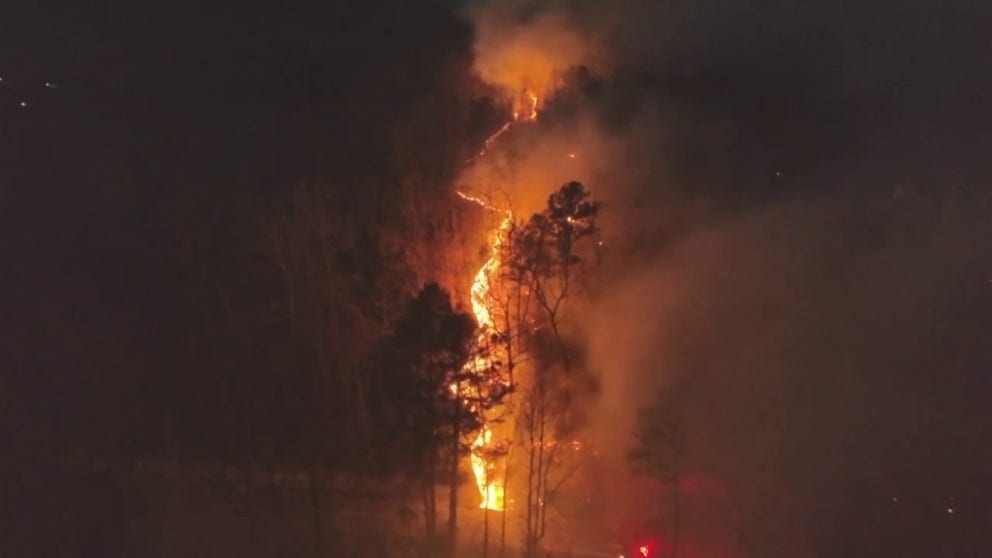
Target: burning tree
x,y
449,381
541,261
519,296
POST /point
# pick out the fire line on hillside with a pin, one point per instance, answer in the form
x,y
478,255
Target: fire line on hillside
x,y
490,486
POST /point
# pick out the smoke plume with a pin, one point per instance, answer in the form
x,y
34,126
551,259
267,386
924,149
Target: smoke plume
x,y
522,47
769,249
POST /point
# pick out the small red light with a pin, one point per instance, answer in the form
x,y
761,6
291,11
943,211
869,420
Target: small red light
x,y
644,551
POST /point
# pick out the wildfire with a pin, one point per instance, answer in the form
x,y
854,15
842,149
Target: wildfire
x,y
525,108
491,488
482,284
489,142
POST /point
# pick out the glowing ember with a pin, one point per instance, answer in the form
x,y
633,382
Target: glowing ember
x,y
489,141
525,108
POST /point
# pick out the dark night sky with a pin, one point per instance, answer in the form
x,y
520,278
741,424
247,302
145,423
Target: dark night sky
x,y
166,126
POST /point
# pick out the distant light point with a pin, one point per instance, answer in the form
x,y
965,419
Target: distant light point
x,y
24,104
571,155
950,511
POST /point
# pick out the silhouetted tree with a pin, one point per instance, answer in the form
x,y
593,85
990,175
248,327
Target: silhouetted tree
x,y
541,261
443,395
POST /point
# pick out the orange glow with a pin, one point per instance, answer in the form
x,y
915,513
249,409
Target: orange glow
x,y
490,488
525,109
525,106
528,59
482,284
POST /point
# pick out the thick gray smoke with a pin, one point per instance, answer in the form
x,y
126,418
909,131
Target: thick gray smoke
x,y
796,228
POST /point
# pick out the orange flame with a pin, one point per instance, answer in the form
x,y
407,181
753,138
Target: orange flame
x,y
482,284
491,488
524,108
489,142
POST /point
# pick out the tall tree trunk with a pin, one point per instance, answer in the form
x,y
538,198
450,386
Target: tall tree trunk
x,y
453,496
678,511
545,491
426,500
361,403
432,493
531,454
315,507
502,515
430,503
485,531
541,485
